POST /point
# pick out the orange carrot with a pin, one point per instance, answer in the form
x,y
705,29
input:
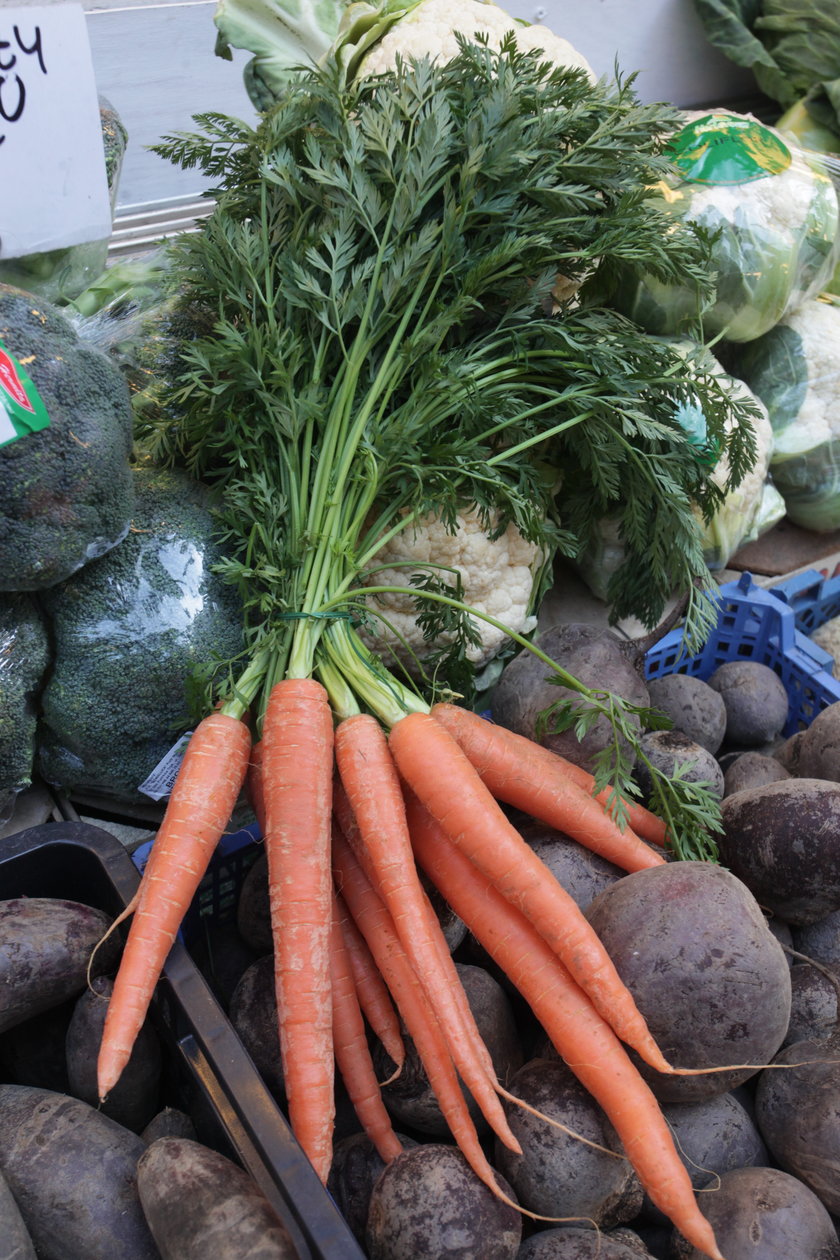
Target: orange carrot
x,y
297,772
579,1034
447,783
254,784
351,1049
374,998
522,773
203,796
374,795
377,926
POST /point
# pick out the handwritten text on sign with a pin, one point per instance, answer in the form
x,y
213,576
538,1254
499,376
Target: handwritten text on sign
x,y
12,83
53,186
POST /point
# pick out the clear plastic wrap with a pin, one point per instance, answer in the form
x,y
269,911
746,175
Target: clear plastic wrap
x,y
66,491
130,632
24,657
795,370
770,211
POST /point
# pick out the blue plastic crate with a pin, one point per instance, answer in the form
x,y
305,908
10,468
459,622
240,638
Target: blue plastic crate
x,y
758,625
813,598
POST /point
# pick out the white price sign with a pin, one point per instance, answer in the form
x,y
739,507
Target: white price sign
x,y
53,185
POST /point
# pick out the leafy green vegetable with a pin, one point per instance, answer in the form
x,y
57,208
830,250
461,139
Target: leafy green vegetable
x,y
377,267
282,35
791,46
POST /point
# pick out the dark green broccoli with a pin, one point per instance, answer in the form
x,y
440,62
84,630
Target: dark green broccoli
x,y
60,274
130,633
24,657
66,491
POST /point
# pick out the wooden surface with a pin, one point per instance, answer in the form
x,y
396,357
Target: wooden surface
x,y
785,549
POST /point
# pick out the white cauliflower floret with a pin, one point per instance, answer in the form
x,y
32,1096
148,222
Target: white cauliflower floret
x,y
428,30
497,578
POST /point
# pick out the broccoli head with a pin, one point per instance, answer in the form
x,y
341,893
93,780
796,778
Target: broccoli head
x,y
24,657
132,632
66,491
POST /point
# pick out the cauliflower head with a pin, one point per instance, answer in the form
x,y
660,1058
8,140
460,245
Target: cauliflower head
x,y
429,30
497,577
773,242
816,327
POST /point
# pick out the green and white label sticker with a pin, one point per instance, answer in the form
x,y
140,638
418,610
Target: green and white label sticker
x,y
726,149
22,410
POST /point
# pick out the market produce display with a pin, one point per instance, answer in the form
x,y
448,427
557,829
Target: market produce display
x,y
448,319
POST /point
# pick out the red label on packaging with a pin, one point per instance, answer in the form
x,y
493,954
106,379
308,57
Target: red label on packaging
x,y
11,382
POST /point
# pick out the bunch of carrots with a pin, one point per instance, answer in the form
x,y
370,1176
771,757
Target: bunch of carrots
x,y
349,813
377,264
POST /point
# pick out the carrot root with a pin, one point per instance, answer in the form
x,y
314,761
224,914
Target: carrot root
x,y
297,773
200,805
379,831
580,1035
537,781
471,817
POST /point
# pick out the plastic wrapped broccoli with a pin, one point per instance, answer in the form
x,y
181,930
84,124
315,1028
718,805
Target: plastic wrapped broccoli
x,y
770,213
60,274
66,491
132,632
24,657
795,370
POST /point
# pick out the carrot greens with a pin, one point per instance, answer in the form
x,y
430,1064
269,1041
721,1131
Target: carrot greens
x,y
379,269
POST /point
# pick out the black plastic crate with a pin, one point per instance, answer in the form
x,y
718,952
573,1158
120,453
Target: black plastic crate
x,y
237,1115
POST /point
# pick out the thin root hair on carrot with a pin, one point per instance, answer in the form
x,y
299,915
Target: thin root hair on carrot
x,y
121,917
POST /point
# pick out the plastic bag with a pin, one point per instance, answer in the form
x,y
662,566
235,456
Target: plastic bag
x,y
771,213
24,657
130,631
795,370
66,492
